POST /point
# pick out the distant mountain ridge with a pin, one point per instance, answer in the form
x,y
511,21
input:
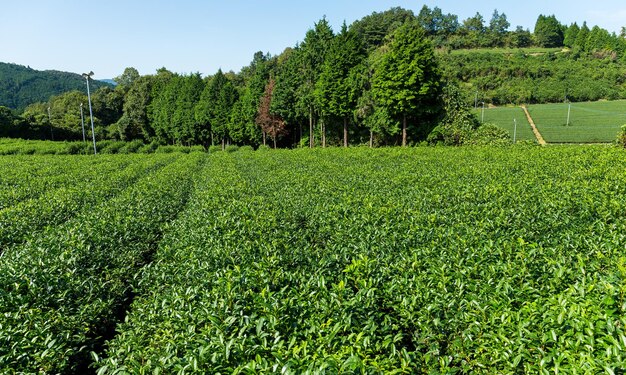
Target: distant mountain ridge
x,y
21,85
109,81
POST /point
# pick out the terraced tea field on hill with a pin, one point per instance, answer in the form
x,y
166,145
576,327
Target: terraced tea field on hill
x,y
423,260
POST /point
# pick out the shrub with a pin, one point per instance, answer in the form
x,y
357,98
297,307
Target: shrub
x,y
231,148
149,148
76,148
246,148
263,148
213,149
101,145
112,148
165,149
489,134
26,150
621,137
131,147
527,143
197,149
458,123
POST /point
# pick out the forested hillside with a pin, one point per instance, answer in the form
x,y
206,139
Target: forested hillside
x,y
535,75
21,86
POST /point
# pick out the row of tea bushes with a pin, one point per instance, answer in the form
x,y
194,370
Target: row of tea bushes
x,y
27,177
62,292
28,147
83,189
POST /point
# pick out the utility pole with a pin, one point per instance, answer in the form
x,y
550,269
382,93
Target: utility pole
x,y
93,133
50,122
82,121
482,116
569,109
514,129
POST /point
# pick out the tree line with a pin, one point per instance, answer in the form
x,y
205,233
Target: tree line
x,y
379,81
448,32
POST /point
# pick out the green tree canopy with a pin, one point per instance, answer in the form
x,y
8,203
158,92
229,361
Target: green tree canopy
x,y
569,38
498,27
548,32
213,111
406,80
378,25
312,54
336,91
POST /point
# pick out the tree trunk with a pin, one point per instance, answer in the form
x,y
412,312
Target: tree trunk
x,y
223,144
345,132
403,130
371,138
311,136
264,143
274,139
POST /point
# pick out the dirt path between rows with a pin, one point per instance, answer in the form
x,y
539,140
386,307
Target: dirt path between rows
x,y
540,139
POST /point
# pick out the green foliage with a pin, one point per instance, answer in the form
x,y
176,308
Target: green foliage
x,y
438,25
288,80
570,35
376,27
131,147
213,110
621,137
548,31
458,123
110,147
148,148
474,32
311,55
242,126
174,109
134,122
214,149
498,28
489,135
406,78
231,148
128,78
335,92
533,76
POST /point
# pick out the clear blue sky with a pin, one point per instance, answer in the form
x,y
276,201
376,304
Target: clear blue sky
x,y
187,36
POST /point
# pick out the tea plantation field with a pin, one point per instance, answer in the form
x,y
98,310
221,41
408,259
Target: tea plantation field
x,y
369,261
506,118
589,122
